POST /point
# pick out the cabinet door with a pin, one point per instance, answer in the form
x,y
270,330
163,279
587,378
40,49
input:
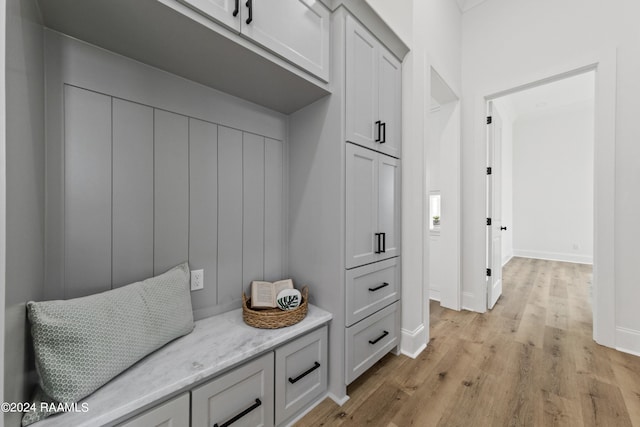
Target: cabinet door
x,y
174,413
361,86
301,373
390,102
297,30
389,205
220,10
244,395
361,206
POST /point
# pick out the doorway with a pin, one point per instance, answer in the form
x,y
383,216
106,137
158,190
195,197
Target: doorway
x,y
540,175
443,195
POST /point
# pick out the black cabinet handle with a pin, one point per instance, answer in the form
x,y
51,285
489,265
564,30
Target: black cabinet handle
x,y
379,338
249,4
384,243
240,415
378,243
237,9
379,126
377,288
503,228
384,133
316,365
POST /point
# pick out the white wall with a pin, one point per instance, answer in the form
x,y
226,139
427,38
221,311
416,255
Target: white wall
x,y
553,184
435,41
509,43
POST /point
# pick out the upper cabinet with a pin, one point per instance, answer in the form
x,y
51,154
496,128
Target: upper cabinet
x,y
373,92
274,53
296,30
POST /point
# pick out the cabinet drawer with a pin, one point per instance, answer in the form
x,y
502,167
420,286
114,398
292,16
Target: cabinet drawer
x,y
244,395
371,288
173,413
301,373
369,340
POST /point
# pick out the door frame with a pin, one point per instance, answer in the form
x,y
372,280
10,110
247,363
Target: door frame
x,y
603,62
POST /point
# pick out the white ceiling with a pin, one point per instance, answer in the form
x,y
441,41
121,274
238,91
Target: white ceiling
x,y
465,5
572,90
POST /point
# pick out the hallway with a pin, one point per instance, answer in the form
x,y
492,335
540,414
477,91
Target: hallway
x,y
531,361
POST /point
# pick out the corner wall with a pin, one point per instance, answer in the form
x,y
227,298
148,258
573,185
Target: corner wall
x,y
24,192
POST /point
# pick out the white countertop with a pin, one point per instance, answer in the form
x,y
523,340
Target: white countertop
x,y
216,344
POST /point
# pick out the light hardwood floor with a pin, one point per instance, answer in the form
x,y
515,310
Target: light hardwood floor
x,y
531,361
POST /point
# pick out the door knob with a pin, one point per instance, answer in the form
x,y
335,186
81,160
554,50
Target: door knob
x,y
503,228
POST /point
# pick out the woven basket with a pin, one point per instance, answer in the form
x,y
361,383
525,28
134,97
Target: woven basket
x,y
274,318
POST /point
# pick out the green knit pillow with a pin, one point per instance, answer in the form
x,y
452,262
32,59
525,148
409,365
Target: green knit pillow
x,y
82,343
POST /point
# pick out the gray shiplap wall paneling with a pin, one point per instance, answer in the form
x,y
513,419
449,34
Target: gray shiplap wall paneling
x,y
87,192
274,210
230,204
171,192
203,208
132,192
253,167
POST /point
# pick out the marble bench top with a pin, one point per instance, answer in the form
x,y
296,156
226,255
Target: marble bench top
x,y
216,344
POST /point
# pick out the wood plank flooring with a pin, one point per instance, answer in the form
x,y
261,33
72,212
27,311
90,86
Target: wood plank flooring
x,y
531,361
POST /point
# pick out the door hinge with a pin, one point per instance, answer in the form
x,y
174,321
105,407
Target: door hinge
x,y
488,221
489,120
488,272
489,171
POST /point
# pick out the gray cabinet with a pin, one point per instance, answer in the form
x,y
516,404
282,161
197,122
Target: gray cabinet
x,y
373,92
370,288
244,395
370,339
174,413
372,206
297,30
301,374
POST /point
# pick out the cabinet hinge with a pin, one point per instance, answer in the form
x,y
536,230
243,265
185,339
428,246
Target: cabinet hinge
x,y
488,272
489,120
489,171
488,221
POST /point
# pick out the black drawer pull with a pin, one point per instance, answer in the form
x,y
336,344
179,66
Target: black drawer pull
x,y
240,415
379,338
379,126
316,365
249,4
237,9
377,288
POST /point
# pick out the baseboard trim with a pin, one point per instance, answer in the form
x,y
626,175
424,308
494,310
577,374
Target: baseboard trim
x,y
628,340
554,256
340,401
506,260
413,342
434,294
469,302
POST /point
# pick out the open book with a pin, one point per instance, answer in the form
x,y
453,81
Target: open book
x,y
263,294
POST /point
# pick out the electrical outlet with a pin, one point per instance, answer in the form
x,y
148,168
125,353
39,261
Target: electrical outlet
x,y
197,280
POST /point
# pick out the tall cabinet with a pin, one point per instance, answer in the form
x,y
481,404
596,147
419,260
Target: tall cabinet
x,y
345,163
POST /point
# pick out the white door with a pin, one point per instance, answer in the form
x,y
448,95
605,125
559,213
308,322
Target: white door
x,y
226,12
297,30
362,206
388,206
362,86
390,103
494,207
